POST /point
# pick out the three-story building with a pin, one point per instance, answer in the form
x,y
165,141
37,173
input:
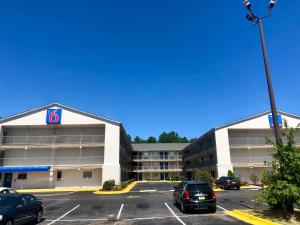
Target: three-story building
x,y
56,146
157,161
244,147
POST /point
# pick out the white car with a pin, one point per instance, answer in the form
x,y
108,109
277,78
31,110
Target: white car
x,y
5,190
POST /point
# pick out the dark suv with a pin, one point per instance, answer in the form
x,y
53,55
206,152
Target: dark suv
x,y
192,195
228,183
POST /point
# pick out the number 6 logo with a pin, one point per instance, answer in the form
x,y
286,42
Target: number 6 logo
x,y
53,116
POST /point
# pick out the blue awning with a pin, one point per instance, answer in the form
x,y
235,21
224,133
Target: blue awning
x,y
12,169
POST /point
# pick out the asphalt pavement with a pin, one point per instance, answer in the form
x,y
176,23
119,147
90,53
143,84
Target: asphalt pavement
x,y
147,203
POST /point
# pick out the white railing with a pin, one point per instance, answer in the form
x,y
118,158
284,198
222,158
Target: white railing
x,y
53,161
147,168
257,141
52,140
248,161
157,157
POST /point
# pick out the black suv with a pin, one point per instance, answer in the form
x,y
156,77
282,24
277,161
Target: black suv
x,y
228,183
18,209
192,195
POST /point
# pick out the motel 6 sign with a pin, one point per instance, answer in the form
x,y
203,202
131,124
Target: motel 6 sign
x,y
53,116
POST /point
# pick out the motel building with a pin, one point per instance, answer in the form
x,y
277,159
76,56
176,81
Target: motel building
x,y
55,146
157,161
240,146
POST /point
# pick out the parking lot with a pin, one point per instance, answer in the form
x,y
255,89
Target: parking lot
x,y
147,203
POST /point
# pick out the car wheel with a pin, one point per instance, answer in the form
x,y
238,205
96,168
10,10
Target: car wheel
x,y
9,222
39,216
238,188
182,207
213,210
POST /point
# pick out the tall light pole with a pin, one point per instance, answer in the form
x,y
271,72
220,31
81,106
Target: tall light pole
x,y
258,20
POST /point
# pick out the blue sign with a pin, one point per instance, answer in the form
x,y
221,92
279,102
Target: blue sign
x,y
53,116
271,121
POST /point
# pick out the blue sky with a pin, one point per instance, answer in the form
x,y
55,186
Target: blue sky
x,y
156,65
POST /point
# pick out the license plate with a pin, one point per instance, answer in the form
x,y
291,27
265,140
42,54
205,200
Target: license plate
x,y
233,182
201,197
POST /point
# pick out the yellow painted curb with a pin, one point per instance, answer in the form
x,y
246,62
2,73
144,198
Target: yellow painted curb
x,y
217,189
249,218
126,190
159,181
250,187
57,190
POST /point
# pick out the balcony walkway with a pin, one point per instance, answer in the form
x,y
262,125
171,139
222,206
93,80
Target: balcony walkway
x,y
54,140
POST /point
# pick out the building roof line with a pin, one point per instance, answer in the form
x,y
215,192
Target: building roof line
x,y
55,104
255,116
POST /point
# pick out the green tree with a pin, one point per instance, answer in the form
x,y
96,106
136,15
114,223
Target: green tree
x,y
203,175
282,181
230,173
138,140
193,139
151,139
171,137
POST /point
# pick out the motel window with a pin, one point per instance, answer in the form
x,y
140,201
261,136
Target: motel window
x,y
59,175
87,174
22,176
211,156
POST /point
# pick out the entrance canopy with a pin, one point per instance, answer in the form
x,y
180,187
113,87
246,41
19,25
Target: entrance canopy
x,y
12,169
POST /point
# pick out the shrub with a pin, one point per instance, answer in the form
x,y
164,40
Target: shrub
x,y
230,173
109,185
282,182
203,175
244,183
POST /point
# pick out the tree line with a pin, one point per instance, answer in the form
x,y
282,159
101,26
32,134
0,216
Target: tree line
x,y
171,137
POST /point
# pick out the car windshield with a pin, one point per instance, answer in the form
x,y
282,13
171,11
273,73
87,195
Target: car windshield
x,y
199,187
6,202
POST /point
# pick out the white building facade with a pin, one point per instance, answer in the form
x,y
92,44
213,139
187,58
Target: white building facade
x,y
55,146
241,147
157,161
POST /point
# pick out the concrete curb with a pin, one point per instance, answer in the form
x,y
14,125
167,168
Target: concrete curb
x,y
124,191
57,190
249,218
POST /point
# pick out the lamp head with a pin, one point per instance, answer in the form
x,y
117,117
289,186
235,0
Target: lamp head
x,y
247,4
250,17
272,4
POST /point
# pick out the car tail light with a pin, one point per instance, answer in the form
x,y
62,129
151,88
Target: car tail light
x,y
187,195
213,194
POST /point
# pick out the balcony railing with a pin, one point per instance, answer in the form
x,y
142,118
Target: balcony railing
x,y
251,161
157,168
157,157
256,141
51,140
53,161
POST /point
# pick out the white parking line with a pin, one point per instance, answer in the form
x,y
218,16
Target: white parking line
x,y
220,207
54,221
120,211
177,217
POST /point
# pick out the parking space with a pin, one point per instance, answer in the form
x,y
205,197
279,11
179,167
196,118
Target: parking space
x,y
141,206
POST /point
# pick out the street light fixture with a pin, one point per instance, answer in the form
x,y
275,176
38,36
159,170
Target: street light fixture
x,y
258,20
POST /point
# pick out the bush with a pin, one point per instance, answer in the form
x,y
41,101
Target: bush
x,y
230,173
203,175
282,182
244,183
109,185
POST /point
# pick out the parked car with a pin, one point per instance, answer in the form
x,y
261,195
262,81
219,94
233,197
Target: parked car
x,y
192,195
18,209
228,183
5,190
